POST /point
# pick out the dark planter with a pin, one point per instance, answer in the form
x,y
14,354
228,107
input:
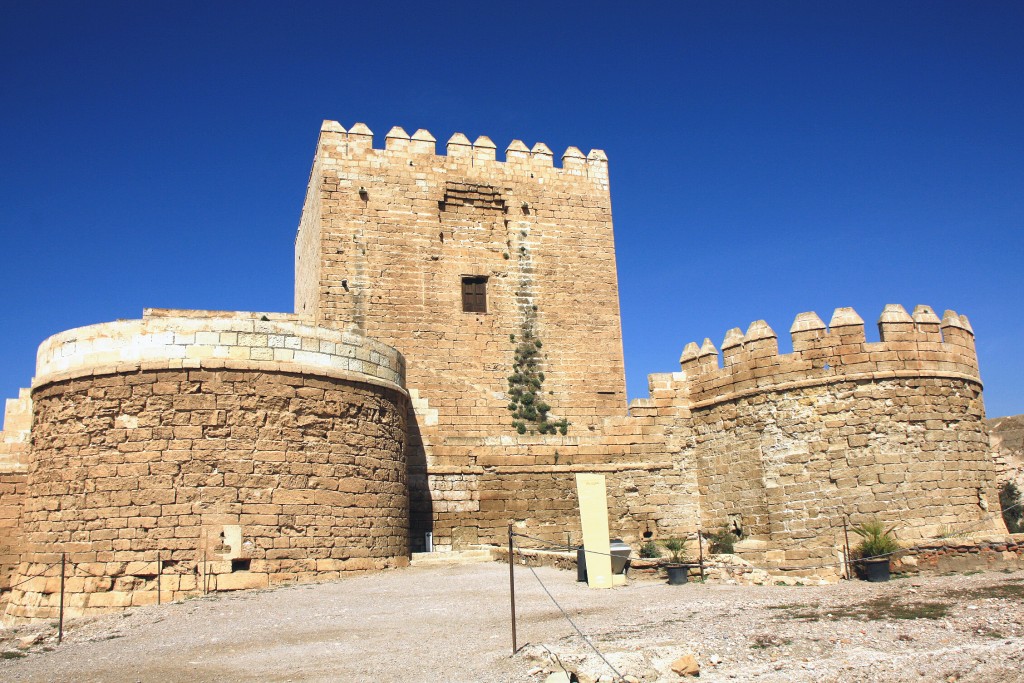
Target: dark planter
x,y
875,570
677,573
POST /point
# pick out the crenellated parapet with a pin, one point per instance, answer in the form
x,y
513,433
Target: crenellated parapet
x,y
918,345
421,148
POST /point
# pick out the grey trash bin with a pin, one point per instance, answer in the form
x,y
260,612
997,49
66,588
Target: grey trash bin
x,y
620,559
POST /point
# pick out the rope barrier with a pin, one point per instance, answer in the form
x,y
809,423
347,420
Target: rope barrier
x,y
837,564
35,576
569,619
550,547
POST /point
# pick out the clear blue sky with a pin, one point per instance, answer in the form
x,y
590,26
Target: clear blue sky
x,y
766,158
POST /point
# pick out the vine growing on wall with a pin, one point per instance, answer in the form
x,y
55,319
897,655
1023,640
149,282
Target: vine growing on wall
x,y
530,413
525,384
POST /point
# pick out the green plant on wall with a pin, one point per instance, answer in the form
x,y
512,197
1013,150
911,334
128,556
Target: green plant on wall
x,y
529,411
649,550
1010,501
722,541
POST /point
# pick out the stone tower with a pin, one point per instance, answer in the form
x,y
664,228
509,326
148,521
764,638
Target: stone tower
x,y
456,259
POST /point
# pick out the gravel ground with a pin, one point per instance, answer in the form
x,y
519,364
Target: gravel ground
x,y
451,623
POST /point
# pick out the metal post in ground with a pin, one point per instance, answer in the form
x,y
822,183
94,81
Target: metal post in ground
x,y
159,571
700,553
60,621
846,552
512,587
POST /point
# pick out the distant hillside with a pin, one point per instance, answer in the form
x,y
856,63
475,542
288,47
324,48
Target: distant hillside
x,y
1007,433
1006,438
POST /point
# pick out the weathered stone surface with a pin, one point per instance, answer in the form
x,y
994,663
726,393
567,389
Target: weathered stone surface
x,y
242,581
282,470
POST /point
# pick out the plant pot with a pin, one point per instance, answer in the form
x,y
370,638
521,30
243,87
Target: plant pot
x,y
875,570
677,574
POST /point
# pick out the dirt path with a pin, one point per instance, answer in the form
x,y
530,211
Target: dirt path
x,y
451,624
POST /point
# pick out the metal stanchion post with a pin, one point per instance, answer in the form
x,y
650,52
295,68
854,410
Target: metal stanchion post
x,y
159,571
700,553
846,552
60,622
512,587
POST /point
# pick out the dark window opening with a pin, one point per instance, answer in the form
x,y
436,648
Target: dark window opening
x,y
240,565
474,294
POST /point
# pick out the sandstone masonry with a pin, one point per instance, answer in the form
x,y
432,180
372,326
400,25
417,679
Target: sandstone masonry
x,y
218,451
454,359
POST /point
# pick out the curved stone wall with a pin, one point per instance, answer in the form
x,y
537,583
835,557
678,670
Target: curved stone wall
x,y
787,446
790,466
235,473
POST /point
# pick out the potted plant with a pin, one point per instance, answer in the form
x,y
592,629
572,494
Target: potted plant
x,y
676,568
874,550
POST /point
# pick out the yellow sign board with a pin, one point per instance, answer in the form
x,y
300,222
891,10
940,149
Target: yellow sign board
x,y
590,489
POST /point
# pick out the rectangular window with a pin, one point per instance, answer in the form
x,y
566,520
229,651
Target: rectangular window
x,y
474,294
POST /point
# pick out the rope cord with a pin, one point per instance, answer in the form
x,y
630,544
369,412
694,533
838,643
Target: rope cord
x,y
835,564
569,619
35,576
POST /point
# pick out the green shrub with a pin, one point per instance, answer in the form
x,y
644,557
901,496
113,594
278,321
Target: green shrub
x,y
1010,503
649,550
722,541
875,540
529,411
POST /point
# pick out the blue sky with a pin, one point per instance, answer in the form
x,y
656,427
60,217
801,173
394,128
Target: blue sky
x,y
765,158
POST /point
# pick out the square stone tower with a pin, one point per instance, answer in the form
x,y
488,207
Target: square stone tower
x,y
456,259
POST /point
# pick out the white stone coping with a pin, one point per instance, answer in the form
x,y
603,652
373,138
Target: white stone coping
x,y
838,378
231,341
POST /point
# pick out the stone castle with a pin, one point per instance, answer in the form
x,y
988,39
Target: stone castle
x,y
454,358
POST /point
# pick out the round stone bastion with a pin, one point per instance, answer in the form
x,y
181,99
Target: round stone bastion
x,y
190,452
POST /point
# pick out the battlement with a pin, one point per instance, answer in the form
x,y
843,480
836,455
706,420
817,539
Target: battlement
x,y
357,142
918,345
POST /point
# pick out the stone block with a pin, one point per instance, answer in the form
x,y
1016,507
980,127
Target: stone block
x,y
241,581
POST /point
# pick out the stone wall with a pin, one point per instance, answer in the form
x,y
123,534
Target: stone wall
x,y
784,447
234,474
992,553
308,263
470,489
398,228
12,497
475,507
174,339
14,454
788,445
